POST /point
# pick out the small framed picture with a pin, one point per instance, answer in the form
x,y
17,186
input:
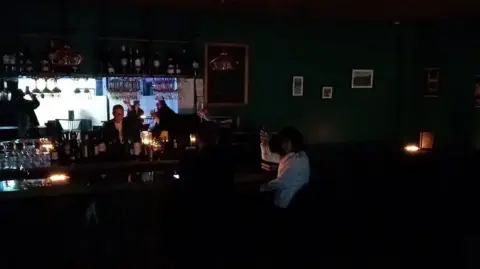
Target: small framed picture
x,y
297,86
327,92
362,78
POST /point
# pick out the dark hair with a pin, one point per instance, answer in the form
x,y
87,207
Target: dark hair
x,y
115,107
294,136
208,132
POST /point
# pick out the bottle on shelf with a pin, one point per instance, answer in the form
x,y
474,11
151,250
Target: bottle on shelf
x,y
156,64
13,62
46,61
109,62
124,59
21,62
138,62
84,153
131,64
170,66
54,156
51,55
28,60
183,66
74,150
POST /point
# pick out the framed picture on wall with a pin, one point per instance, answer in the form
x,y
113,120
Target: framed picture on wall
x,y
327,92
362,78
297,86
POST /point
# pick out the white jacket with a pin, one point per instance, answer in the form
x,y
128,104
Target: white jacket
x,y
293,174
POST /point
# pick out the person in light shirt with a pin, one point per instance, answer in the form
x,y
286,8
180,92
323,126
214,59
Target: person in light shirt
x,y
293,170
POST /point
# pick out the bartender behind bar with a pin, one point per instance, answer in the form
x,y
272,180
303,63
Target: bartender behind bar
x,y
120,131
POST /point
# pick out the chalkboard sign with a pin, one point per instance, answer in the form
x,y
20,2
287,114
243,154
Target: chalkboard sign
x,y
226,74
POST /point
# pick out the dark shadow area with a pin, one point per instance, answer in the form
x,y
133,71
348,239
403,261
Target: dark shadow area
x,y
365,207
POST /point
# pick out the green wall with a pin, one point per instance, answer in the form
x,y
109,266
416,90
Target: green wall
x,y
324,53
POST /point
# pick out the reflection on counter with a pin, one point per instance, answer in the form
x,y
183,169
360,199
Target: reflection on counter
x,y
61,179
22,185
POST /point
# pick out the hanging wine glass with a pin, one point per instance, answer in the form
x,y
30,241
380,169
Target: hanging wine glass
x,y
36,90
56,90
46,91
77,84
50,85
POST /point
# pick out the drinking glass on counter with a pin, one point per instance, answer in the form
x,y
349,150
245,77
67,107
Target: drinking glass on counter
x,y
25,153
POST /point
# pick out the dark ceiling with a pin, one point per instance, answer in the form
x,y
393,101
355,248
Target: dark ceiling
x,y
333,9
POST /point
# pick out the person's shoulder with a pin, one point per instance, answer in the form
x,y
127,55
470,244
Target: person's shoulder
x,y
108,123
302,157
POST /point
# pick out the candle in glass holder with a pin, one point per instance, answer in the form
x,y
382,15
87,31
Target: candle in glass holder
x,y
146,137
164,136
193,139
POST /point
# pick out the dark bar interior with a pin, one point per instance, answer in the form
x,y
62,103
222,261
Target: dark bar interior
x,y
239,134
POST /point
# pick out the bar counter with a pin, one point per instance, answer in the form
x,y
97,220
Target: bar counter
x,y
104,177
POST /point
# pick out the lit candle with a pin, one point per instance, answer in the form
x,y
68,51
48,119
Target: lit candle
x,y
146,137
193,139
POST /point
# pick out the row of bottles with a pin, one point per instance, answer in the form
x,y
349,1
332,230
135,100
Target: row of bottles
x,y
54,58
87,147
132,61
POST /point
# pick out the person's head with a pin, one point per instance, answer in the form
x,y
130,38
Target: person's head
x,y
291,140
162,103
17,94
208,134
118,113
136,104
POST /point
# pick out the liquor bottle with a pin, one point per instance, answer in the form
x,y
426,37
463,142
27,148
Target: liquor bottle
x,y
138,61
84,147
170,66
182,64
28,60
21,62
131,64
124,59
156,64
45,65
74,151
51,55
109,62
6,63
54,157
13,62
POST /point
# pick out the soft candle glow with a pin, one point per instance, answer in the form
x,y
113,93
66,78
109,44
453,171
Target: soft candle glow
x,y
58,178
146,137
411,148
193,139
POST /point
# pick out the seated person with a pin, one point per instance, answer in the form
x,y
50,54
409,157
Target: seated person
x,y
293,170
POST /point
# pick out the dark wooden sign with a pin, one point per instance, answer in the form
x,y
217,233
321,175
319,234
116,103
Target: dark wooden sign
x,y
226,74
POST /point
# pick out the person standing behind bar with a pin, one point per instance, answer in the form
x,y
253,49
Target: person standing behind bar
x,y
117,129
293,169
166,116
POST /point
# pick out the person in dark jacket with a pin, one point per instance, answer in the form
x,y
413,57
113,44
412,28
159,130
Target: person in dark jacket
x,y
22,107
166,116
119,129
